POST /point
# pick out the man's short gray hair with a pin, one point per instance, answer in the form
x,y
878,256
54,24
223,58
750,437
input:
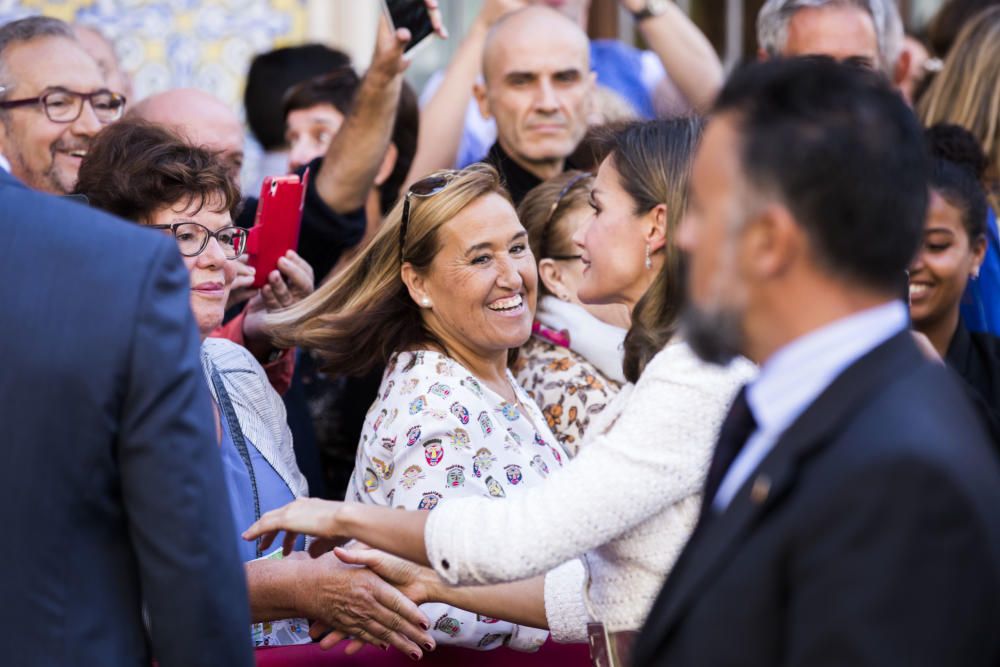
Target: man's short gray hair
x,y
26,30
775,15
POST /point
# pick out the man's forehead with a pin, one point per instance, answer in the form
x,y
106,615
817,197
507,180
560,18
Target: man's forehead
x,y
838,31
52,61
539,58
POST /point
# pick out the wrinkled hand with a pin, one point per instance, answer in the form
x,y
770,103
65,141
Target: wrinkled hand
x,y
410,579
241,289
493,10
310,516
354,601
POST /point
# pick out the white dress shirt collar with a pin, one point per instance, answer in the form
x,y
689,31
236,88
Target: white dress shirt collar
x,y
794,377
4,164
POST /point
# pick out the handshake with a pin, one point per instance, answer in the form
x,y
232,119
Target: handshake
x,y
361,593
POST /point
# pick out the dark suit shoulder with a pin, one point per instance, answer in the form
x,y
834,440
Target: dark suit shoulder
x,y
68,227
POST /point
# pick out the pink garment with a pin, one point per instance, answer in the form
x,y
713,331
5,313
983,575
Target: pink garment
x,y
310,655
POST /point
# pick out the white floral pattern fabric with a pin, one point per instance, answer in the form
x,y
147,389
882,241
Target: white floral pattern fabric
x,y
436,433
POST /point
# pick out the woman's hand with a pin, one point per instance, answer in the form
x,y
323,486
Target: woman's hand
x,y
414,581
353,602
310,516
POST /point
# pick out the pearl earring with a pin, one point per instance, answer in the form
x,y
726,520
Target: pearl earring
x,y
975,273
649,258
425,302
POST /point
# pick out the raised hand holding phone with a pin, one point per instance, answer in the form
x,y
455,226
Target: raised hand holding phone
x,y
420,17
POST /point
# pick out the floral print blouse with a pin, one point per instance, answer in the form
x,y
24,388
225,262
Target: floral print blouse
x,y
569,389
434,433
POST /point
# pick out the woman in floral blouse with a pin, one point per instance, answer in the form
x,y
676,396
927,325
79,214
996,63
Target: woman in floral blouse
x,y
572,364
439,298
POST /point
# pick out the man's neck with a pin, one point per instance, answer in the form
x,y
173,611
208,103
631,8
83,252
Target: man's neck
x,y
540,169
796,312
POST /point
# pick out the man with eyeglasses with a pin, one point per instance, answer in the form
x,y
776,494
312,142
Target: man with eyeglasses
x,y
53,101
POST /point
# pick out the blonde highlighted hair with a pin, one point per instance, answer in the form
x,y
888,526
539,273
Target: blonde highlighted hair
x,y
361,316
967,91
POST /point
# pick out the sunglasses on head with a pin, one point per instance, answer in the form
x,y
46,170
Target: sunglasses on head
x,y
425,187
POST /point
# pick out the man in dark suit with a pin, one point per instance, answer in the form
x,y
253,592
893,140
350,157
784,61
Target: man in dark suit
x,y
852,508
112,497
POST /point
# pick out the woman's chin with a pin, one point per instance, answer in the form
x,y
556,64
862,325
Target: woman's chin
x,y
208,322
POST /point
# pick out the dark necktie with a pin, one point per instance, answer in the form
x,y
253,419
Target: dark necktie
x,y
736,429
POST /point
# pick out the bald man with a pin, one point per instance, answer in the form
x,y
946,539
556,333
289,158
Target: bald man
x,y
201,118
536,81
102,49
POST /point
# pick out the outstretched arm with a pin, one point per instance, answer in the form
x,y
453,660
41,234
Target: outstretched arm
x,y
355,154
521,602
353,600
685,52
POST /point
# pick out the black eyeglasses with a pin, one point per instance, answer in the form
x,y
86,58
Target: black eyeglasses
x,y
65,106
426,187
192,238
543,246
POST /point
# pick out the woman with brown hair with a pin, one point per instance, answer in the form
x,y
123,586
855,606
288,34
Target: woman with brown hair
x,y
145,173
967,93
627,503
572,364
439,298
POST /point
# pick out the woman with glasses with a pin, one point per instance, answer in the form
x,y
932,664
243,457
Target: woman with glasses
x,y
572,364
143,172
627,503
439,299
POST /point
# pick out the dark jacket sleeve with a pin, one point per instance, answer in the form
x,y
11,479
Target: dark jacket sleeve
x,y
855,597
173,489
326,233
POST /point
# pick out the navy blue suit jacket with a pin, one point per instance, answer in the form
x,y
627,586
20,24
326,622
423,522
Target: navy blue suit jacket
x,y
111,488
869,535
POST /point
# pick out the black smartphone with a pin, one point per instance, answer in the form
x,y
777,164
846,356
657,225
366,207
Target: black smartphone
x,y
412,15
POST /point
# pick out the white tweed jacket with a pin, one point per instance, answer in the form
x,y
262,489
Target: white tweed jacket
x,y
626,504
259,408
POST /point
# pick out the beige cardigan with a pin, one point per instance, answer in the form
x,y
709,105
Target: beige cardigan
x,y
626,504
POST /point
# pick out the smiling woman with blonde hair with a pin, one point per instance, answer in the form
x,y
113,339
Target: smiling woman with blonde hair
x,y
439,299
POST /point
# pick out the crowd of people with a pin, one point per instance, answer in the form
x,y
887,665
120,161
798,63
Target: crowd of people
x,y
583,344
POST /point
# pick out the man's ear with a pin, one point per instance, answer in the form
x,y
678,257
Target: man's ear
x,y
479,92
902,68
415,285
388,164
772,241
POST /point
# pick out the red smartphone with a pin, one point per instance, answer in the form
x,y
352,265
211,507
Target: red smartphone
x,y
275,228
